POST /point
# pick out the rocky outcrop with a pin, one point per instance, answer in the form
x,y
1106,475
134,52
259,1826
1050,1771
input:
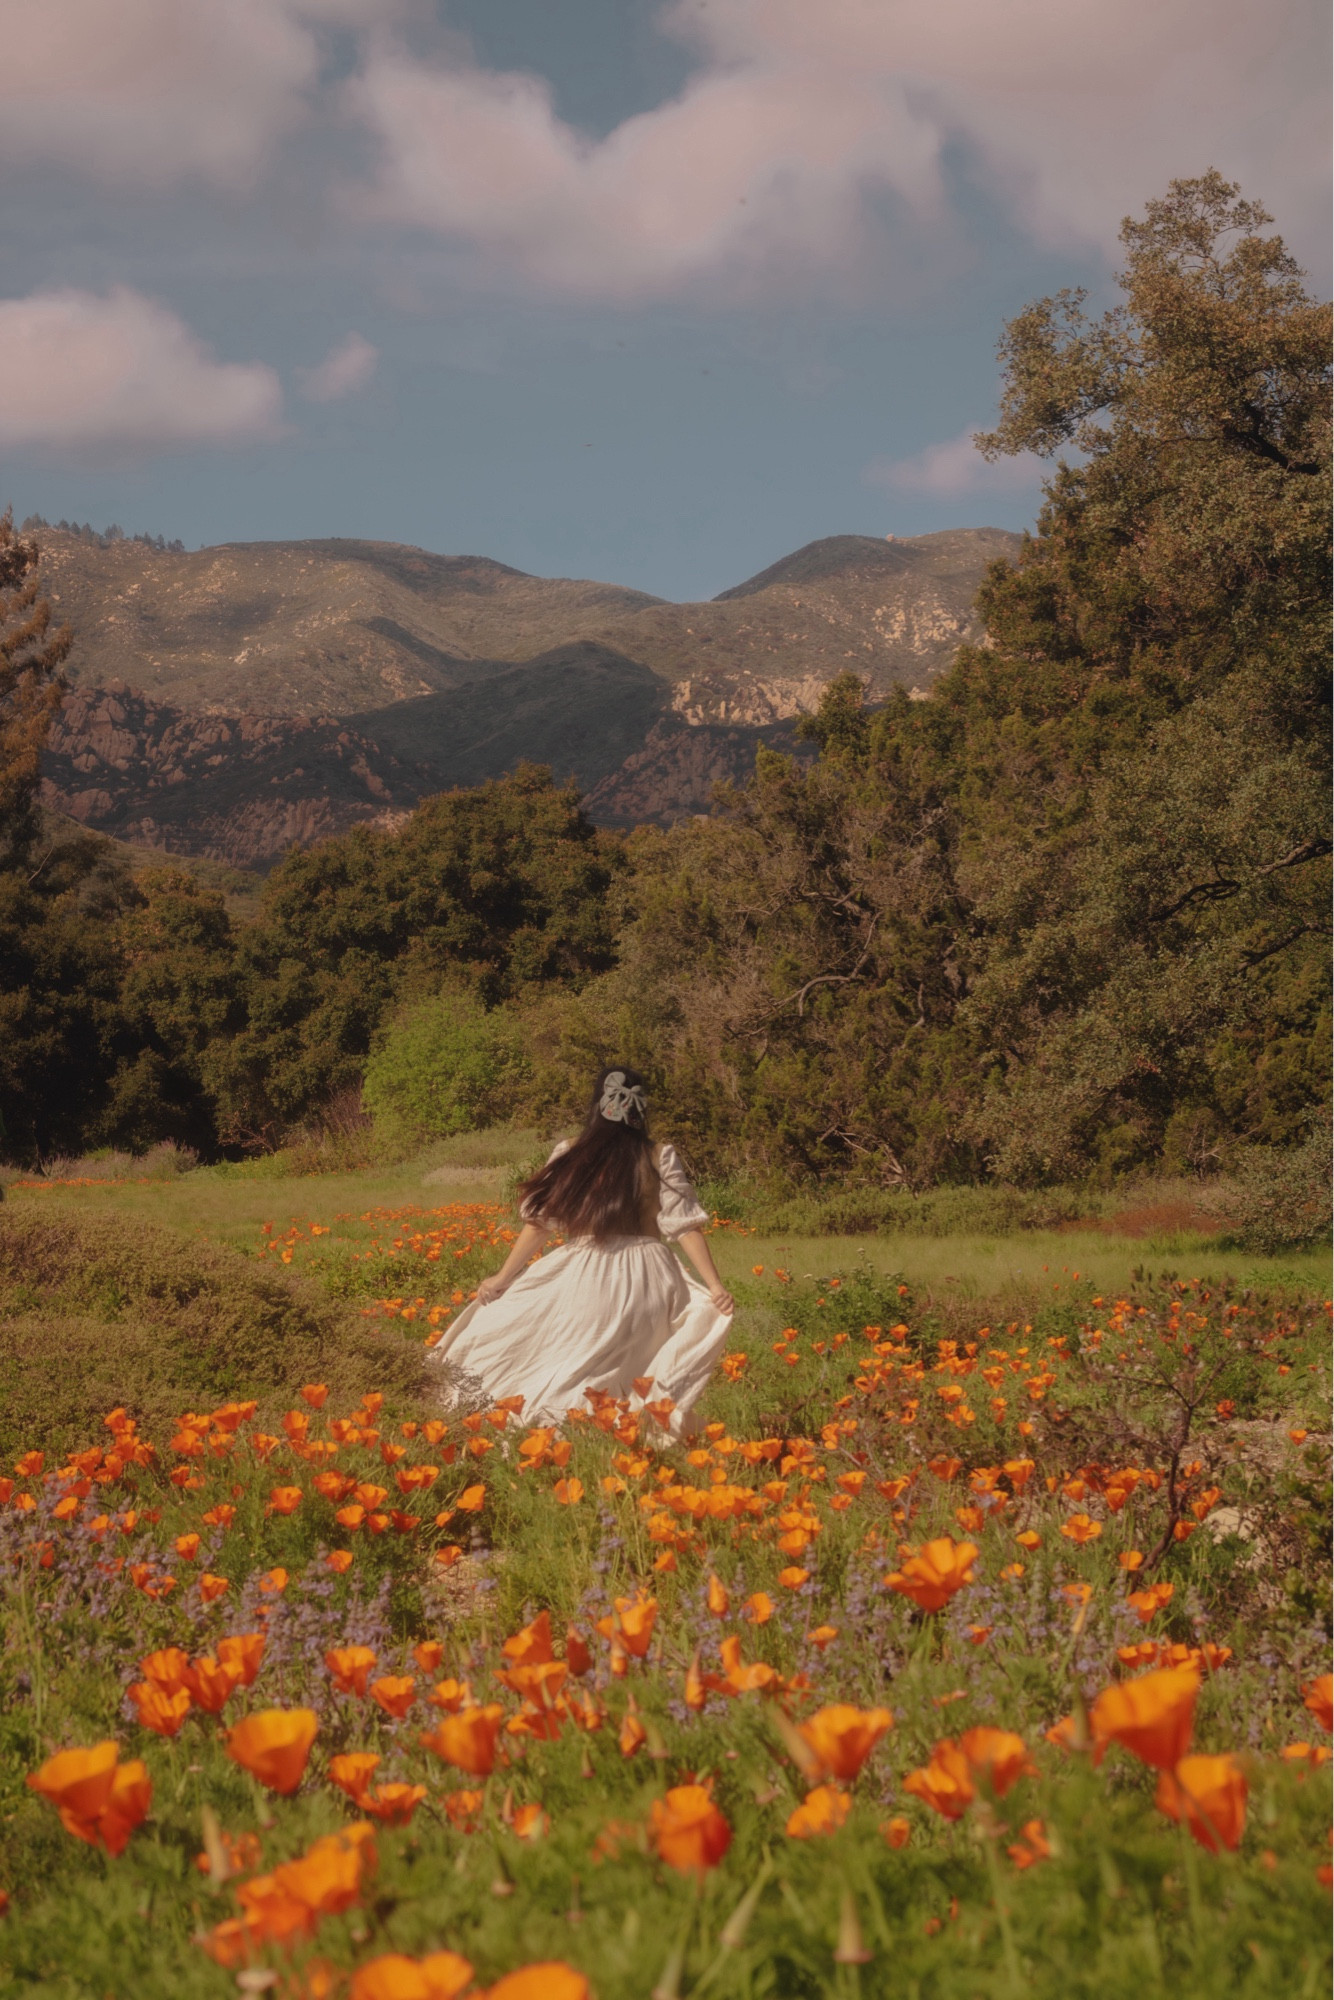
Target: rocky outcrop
x,y
235,788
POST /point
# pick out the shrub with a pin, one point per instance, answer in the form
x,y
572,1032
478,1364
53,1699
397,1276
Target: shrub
x,y
446,1066
95,1315
1282,1199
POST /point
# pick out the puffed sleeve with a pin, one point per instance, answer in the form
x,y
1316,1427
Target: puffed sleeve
x,y
527,1212
679,1207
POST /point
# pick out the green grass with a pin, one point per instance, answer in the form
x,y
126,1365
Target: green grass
x,y
162,1288
230,1205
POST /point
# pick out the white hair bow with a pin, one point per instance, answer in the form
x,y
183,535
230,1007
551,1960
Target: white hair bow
x,y
620,1098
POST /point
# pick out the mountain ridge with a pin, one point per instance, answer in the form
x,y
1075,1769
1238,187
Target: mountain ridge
x,y
235,700
344,626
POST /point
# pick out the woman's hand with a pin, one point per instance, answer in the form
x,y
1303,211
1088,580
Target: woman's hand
x,y
526,1246
722,1301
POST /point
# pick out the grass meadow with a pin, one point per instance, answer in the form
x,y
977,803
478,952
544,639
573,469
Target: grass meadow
x,y
977,1646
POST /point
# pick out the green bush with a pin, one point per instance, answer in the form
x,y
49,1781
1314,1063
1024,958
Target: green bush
x,y
93,1314
446,1066
1283,1196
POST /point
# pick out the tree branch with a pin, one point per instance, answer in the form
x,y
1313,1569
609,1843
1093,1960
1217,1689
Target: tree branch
x,y
1224,886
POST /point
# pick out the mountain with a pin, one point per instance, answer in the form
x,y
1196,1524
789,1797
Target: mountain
x,y
234,700
340,627
583,709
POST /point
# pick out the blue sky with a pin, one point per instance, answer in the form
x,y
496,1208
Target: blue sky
x,y
648,292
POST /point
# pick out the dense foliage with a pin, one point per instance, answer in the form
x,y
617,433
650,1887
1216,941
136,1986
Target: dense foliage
x,y
1066,918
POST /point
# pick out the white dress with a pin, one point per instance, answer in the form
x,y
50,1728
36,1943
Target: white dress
x,y
595,1316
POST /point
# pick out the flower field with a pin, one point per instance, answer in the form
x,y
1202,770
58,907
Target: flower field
x,y
949,1659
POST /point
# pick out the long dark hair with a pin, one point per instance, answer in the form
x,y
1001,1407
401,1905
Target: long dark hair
x,y
607,1182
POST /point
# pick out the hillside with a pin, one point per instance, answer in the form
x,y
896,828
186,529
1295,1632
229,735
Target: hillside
x,y
340,627
236,700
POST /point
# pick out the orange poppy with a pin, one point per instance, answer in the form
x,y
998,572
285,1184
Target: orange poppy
x,y
821,1811
129,1801
687,1830
531,1645
841,1738
394,1693
288,1904
161,1712
897,1832
167,1669
352,1771
759,1608
578,1658
462,1808
273,1745
1034,1846
468,1740
243,1652
633,1734
1151,1716
531,1822
339,1561
1319,1699
931,1578
78,1783
637,1616
1148,1603
392,1804
717,1597
1314,1754
211,1684
451,1695
98,1799
997,1755
440,1976
1209,1794
350,1667
284,1500
949,1783
569,1492
428,1655
1081,1528
740,1677
552,1979
211,1587
793,1576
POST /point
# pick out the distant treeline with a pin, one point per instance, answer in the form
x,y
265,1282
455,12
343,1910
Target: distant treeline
x,y
104,537
1067,918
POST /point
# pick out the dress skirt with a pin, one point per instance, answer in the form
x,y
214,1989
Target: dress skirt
x,y
588,1316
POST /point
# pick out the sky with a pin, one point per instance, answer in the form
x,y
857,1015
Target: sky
x,y
653,291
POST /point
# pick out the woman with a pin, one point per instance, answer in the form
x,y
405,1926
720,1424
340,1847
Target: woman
x,y
613,1310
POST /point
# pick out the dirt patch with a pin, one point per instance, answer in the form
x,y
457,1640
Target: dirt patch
x,y
1164,1218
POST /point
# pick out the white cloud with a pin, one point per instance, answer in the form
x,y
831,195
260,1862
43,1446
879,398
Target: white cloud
x,y
808,145
956,469
149,91
1071,112
121,373
344,369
